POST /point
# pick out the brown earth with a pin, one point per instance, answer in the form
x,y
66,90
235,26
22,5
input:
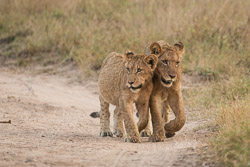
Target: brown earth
x,y
51,126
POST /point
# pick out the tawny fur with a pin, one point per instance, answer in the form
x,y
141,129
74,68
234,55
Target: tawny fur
x,y
167,90
122,84
165,110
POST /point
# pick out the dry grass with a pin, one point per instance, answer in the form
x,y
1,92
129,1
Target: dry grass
x,y
216,35
88,30
233,142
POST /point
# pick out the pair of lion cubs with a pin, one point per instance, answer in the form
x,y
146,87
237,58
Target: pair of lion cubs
x,y
151,80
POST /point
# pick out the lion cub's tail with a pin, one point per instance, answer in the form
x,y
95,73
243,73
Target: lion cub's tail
x,y
95,114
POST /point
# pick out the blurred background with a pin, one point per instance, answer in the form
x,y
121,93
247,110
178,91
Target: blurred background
x,y
216,35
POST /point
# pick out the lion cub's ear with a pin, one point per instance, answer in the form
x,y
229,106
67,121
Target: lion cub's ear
x,y
155,48
128,54
179,47
152,61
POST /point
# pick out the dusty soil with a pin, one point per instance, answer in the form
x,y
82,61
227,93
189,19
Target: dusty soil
x,y
51,126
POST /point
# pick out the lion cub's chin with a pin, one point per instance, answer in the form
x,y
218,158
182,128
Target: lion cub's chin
x,y
167,85
134,90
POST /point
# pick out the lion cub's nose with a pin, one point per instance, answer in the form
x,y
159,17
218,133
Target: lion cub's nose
x,y
131,82
172,76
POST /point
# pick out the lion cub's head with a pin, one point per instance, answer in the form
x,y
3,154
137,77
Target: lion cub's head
x,y
139,69
168,67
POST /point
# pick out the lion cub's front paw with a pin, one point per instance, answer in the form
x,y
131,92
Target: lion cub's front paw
x,y
157,137
118,133
133,140
146,133
106,133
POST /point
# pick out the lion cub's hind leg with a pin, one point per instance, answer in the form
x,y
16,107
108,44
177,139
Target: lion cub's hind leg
x,y
104,119
118,123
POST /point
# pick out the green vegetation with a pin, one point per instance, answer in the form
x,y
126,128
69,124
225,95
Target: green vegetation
x,y
216,35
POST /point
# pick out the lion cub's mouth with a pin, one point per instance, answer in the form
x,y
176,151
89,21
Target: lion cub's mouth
x,y
138,87
166,83
135,89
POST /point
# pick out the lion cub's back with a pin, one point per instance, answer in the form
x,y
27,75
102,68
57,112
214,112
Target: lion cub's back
x,y
111,77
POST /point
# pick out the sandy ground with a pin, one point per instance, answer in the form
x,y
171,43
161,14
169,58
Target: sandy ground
x,y
51,126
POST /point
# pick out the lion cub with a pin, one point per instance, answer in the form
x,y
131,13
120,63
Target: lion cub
x,y
126,79
166,93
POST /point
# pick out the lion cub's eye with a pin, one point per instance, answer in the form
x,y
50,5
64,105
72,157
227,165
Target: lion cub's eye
x,y
177,63
165,62
139,70
128,70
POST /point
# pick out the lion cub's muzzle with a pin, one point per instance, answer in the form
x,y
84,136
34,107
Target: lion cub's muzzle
x,y
167,82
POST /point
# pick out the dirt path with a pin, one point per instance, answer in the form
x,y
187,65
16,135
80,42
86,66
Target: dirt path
x,y
51,126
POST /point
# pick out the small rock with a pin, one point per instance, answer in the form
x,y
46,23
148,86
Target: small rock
x,y
29,160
